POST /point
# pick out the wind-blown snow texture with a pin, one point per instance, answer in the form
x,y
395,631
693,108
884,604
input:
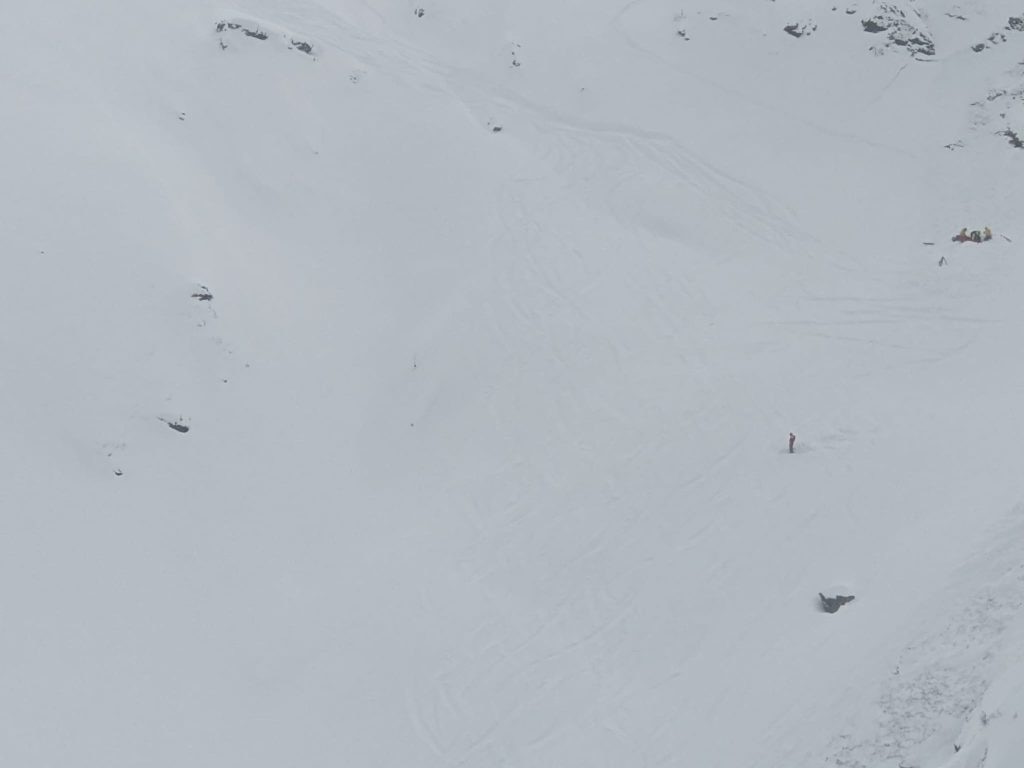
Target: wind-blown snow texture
x,y
404,384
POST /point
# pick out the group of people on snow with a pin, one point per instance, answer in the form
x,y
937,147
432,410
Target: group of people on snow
x,y
976,236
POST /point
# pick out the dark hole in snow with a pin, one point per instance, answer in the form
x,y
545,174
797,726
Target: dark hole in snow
x,y
496,129
833,604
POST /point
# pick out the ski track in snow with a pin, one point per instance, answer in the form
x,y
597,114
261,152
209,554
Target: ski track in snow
x,y
624,267
939,680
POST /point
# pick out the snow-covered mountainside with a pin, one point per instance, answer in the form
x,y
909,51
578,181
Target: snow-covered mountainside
x,y
408,383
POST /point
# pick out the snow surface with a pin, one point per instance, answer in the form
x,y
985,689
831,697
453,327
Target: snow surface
x,y
514,305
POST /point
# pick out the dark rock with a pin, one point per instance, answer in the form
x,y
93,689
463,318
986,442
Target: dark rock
x,y
304,47
799,30
900,31
256,33
1015,140
920,45
177,427
833,604
996,38
419,13
1016,23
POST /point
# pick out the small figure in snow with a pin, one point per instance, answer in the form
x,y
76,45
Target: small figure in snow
x,y
942,261
976,236
986,234
961,236
792,441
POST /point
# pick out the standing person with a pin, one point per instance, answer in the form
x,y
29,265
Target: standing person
x,y
792,441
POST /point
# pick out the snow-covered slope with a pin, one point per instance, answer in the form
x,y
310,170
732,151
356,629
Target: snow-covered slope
x,y
408,384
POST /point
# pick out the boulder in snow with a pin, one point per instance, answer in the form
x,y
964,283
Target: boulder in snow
x,y
833,604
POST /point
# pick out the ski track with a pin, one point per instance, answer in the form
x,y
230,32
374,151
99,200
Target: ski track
x,y
939,680
598,547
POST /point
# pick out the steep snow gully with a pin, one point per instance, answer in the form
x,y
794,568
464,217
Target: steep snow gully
x,y
408,383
